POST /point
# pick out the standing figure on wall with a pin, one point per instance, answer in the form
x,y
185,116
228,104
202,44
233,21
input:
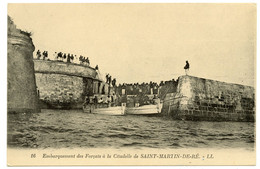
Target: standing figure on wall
x,y
114,82
68,58
80,59
55,56
38,54
107,75
59,56
87,61
46,54
72,57
187,67
43,53
109,80
96,67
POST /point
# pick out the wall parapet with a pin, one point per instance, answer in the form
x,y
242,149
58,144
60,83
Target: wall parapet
x,y
70,69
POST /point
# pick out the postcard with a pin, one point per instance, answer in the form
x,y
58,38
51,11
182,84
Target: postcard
x,y
131,84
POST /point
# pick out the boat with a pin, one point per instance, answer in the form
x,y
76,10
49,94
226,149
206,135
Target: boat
x,y
150,109
105,109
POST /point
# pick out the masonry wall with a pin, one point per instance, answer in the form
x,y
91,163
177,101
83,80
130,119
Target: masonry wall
x,y
204,99
58,67
21,93
168,87
64,85
60,91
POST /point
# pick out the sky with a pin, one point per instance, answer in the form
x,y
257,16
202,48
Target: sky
x,y
149,42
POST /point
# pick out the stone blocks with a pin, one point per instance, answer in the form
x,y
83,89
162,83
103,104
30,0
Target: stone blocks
x,y
21,94
204,99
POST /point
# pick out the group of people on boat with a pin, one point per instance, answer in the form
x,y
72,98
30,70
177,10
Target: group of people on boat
x,y
105,101
140,100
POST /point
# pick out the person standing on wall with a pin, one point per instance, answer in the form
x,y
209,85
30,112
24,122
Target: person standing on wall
x,y
38,54
55,56
72,57
64,57
68,58
187,67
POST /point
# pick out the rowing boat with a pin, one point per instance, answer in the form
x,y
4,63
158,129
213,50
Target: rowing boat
x,y
151,109
105,110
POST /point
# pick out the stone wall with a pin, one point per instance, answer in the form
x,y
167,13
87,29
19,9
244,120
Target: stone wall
x,y
204,99
64,85
71,69
168,87
21,94
60,91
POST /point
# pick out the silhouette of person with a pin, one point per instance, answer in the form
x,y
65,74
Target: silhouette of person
x,y
38,54
187,67
44,55
109,79
87,61
81,59
68,58
60,56
72,57
96,67
114,82
64,56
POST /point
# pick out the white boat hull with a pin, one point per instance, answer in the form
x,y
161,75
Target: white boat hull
x,y
114,111
144,110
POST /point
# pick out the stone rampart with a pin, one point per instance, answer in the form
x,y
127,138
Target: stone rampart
x,y
64,85
64,68
21,95
204,99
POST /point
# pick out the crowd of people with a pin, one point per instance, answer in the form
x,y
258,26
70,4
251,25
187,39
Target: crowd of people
x,y
131,88
101,101
145,88
64,57
136,88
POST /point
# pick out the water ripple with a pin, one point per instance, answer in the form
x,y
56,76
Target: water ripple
x,y
73,128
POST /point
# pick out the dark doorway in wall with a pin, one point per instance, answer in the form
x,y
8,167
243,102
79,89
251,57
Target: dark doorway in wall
x,y
87,87
99,84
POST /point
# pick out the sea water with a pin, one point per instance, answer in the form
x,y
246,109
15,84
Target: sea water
x,y
76,129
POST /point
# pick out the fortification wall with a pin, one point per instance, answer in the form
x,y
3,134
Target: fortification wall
x,y
21,94
60,91
64,68
204,99
65,85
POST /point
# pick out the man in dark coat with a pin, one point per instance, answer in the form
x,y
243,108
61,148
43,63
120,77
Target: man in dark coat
x,y
96,67
38,54
114,82
187,67
68,58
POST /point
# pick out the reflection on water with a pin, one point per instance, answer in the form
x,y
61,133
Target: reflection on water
x,y
74,129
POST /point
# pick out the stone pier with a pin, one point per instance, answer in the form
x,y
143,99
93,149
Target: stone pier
x,y
203,99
